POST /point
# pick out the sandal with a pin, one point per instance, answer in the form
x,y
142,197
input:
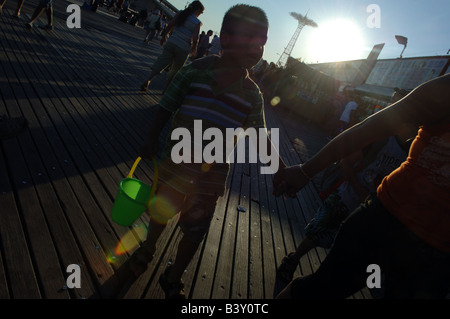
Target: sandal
x,y
46,27
144,87
172,290
287,268
139,260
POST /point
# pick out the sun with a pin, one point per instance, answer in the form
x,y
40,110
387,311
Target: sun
x,y
336,40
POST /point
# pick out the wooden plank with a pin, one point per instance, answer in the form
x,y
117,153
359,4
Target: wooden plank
x,y
267,238
114,144
50,201
71,206
310,197
167,256
147,285
222,285
118,124
210,250
256,268
301,206
50,274
15,252
241,256
41,248
30,199
276,223
4,290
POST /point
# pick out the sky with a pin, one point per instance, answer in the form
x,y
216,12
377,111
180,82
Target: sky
x,y
347,29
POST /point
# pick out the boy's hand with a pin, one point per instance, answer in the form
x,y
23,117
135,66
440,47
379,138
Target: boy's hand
x,y
288,181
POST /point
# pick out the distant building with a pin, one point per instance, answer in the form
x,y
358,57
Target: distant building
x,y
310,91
386,74
165,6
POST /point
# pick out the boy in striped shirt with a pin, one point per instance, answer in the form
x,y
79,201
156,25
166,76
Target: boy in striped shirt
x,y
219,92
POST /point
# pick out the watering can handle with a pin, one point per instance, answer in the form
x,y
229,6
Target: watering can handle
x,y
155,178
136,162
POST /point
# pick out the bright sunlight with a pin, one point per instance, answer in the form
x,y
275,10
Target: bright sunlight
x,y
336,40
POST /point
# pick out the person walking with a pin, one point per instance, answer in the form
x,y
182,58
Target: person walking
x,y
185,30
43,5
153,24
18,8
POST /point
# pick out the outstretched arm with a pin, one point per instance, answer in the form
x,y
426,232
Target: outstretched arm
x,y
426,105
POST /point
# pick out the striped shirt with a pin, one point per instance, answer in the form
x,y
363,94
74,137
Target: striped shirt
x,y
182,35
192,95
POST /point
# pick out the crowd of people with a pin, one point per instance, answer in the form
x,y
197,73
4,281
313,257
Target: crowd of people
x,y
43,5
390,207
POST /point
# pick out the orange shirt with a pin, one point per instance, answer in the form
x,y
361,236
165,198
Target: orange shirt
x,y
418,192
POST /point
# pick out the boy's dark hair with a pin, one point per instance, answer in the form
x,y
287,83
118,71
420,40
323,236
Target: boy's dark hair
x,y
240,13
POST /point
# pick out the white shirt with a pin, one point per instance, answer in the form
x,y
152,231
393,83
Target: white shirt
x,y
351,106
215,46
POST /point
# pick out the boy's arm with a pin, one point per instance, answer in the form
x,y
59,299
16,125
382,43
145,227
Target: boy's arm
x,y
168,105
150,146
257,120
426,105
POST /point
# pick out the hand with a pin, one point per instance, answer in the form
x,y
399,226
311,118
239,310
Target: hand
x,y
288,181
149,148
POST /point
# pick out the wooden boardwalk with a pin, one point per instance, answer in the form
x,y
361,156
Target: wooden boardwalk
x,y
79,90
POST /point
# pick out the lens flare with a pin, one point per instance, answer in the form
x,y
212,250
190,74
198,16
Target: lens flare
x,y
162,210
130,240
206,167
275,101
111,258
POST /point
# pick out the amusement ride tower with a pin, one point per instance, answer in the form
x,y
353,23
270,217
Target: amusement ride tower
x,y
302,21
